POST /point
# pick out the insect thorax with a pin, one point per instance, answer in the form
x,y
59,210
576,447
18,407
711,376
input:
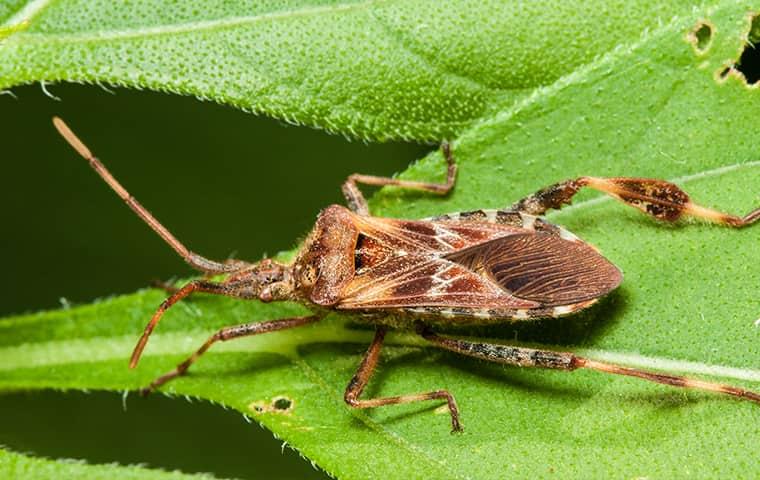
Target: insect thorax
x,y
325,263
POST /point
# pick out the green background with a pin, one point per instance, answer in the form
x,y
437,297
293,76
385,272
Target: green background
x,y
224,181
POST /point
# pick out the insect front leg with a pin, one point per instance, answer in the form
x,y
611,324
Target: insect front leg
x,y
364,372
229,333
245,284
657,198
204,286
358,203
171,288
530,357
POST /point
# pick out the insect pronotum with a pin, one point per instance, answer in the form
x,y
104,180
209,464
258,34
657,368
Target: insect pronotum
x,y
478,267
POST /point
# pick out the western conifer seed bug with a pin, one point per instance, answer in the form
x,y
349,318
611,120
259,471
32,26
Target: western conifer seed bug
x,y
478,267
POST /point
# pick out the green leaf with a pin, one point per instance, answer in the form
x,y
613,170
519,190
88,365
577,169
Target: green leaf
x,y
375,69
16,466
654,106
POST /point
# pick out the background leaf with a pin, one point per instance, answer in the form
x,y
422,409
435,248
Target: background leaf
x,y
15,466
375,69
653,107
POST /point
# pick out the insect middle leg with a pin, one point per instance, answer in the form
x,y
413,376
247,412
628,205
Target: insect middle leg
x,y
229,333
358,203
530,357
658,198
364,372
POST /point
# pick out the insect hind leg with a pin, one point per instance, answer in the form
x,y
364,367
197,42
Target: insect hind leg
x,y
358,203
364,372
658,198
531,357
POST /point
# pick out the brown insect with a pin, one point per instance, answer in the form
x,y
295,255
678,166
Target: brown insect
x,y
479,267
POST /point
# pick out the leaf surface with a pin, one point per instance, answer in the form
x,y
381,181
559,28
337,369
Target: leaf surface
x,y
381,69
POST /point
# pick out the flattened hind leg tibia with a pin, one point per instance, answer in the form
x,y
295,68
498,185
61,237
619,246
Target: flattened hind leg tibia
x,y
531,357
658,198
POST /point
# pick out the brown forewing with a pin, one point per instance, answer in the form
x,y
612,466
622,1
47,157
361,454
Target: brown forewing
x,y
418,280
477,265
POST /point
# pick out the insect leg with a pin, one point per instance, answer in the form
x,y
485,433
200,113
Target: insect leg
x,y
228,333
193,259
658,198
530,357
364,372
171,289
194,286
358,203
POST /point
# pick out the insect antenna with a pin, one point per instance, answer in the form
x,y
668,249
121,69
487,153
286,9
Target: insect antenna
x,y
196,261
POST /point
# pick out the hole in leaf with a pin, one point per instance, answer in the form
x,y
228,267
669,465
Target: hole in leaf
x,y
276,405
749,61
282,403
701,36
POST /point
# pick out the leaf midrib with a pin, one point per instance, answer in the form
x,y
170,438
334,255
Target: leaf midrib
x,y
287,348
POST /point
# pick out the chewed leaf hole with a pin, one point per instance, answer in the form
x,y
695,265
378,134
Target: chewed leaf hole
x,y
749,61
276,405
701,36
282,403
